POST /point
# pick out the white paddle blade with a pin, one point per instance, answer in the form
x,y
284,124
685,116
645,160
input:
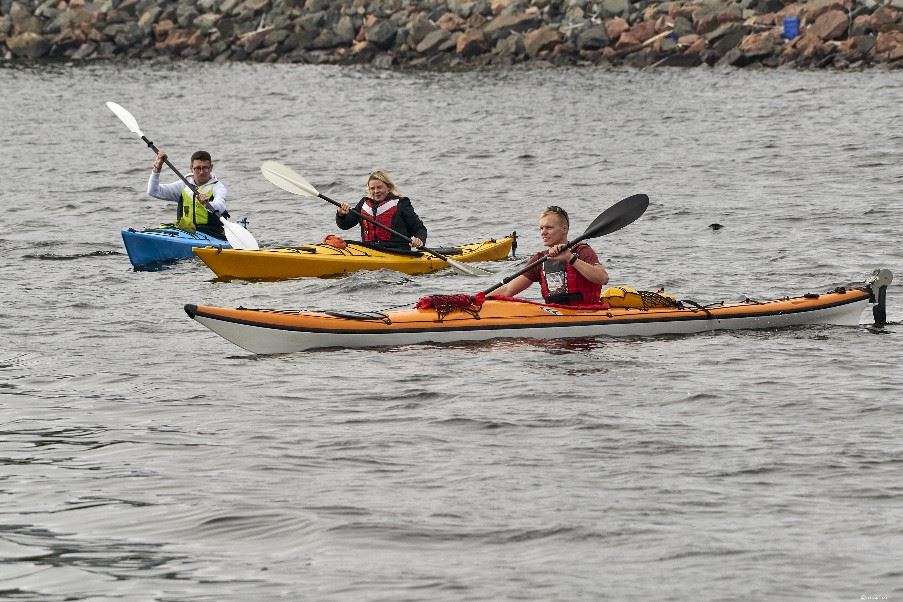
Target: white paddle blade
x,y
470,270
287,179
238,237
125,117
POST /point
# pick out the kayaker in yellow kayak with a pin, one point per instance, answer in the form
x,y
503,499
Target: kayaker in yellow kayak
x,y
569,277
193,212
384,204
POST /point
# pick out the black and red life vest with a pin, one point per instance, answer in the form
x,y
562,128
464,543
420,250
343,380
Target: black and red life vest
x,y
382,213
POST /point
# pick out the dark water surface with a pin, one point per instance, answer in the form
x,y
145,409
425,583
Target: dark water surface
x,y
144,458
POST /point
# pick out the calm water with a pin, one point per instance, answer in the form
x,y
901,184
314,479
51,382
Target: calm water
x,y
144,458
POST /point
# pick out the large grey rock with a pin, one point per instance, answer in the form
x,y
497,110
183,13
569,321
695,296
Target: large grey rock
x,y
206,21
615,8
418,28
592,38
513,45
125,35
433,41
185,15
383,34
345,29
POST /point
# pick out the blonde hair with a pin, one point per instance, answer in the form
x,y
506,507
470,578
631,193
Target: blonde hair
x,y
384,178
556,210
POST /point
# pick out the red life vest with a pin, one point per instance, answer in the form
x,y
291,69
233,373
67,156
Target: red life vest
x,y
562,283
383,214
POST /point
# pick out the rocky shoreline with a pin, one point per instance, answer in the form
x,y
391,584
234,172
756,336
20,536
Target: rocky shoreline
x,y
443,34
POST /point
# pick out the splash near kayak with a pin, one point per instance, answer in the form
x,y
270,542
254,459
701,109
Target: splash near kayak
x,y
268,331
330,259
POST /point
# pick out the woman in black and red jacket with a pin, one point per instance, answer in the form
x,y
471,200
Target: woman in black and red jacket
x,y
387,207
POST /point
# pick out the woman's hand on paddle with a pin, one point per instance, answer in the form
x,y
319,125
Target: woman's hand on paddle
x,y
416,242
343,209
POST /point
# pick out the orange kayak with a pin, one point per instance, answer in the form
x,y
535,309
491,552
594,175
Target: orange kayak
x,y
266,331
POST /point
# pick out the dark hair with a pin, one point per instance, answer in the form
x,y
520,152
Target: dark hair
x,y
201,155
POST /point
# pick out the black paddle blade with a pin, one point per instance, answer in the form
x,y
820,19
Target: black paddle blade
x,y
622,213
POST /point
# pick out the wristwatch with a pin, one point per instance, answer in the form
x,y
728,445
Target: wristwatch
x,y
573,258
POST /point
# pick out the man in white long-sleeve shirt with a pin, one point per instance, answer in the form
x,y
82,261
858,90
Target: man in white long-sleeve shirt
x,y
198,211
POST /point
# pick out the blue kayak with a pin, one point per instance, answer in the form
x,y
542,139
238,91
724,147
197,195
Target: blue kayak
x,y
149,249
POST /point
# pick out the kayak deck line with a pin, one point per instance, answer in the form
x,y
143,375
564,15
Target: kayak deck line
x,y
266,331
627,315
174,232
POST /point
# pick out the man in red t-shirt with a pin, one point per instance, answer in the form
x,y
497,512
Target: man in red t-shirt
x,y
567,277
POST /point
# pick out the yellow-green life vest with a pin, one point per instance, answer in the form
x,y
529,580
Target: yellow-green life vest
x,y
193,213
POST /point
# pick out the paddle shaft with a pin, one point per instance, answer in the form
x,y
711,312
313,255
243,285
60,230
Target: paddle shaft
x,y
384,227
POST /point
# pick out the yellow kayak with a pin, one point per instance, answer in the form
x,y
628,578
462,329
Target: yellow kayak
x,y
326,260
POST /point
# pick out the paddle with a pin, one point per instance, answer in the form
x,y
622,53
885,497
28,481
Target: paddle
x,y
622,213
237,236
290,181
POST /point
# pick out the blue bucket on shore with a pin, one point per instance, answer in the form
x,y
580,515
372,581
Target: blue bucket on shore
x,y
791,27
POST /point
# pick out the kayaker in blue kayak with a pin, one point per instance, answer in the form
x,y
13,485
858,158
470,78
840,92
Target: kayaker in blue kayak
x,y
384,204
569,277
195,213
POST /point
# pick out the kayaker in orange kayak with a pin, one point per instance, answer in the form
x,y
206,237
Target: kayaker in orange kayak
x,y
384,204
570,276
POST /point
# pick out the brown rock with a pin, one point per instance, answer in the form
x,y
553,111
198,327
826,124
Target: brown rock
x,y
162,29
614,27
885,19
856,48
471,43
888,46
830,25
626,40
497,6
539,40
813,9
451,22
475,21
709,18
807,46
642,31
503,25
762,20
697,46
175,41
758,45
688,40
28,45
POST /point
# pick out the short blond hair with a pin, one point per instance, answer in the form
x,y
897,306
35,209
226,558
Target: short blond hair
x,y
556,210
384,178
